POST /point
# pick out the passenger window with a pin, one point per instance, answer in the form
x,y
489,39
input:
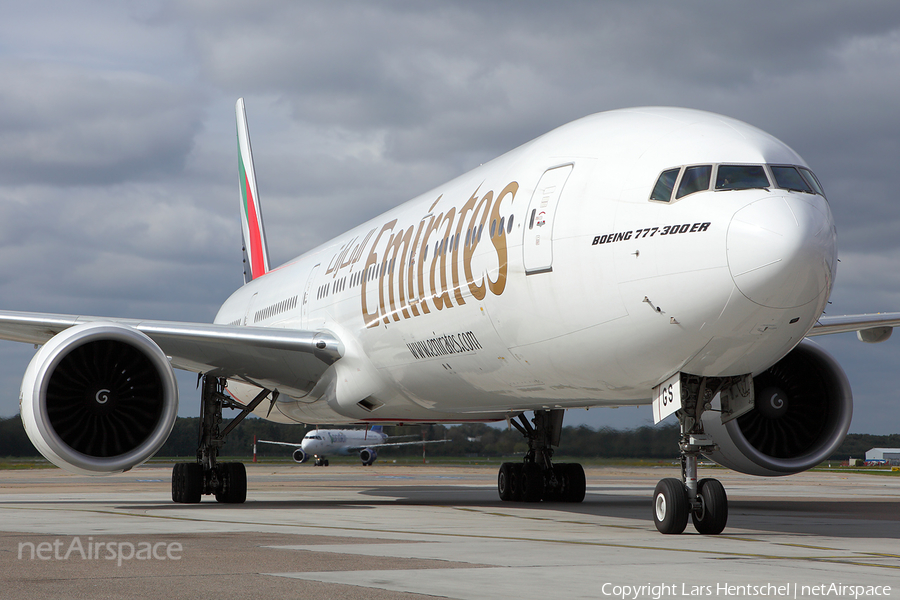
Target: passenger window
x,y
813,181
788,178
741,177
695,179
662,191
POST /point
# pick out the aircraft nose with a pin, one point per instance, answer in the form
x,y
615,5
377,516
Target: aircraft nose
x,y
781,250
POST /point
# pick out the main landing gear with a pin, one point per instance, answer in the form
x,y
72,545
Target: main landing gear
x,y
228,481
704,500
536,478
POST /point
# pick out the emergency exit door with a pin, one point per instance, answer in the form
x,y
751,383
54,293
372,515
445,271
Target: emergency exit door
x,y
307,297
537,246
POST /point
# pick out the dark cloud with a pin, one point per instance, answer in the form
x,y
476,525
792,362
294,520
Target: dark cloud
x,y
63,124
117,144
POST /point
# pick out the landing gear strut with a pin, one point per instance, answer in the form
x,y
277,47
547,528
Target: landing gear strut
x,y
704,500
537,478
227,481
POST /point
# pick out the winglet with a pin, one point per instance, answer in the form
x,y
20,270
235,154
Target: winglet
x,y
256,251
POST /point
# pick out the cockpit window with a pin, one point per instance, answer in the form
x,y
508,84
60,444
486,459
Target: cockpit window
x,y
695,179
663,189
789,178
813,181
741,177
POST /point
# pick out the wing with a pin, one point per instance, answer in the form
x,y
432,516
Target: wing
x,y
279,443
291,361
870,328
419,443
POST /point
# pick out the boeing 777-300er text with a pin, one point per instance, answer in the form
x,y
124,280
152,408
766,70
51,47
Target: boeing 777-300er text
x,y
320,443
658,256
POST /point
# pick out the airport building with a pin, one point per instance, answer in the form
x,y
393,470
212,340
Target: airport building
x,y
889,455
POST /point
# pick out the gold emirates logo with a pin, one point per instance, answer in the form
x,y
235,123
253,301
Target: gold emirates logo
x,y
401,266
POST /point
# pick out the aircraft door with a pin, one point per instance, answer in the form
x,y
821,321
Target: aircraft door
x,y
307,297
250,305
537,245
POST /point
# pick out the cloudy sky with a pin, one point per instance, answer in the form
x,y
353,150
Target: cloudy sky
x,y
118,184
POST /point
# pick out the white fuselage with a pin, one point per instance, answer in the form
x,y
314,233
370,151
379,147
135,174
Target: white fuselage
x,y
588,293
328,442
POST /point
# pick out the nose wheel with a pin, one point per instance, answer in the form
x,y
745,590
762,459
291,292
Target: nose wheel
x,y
712,514
670,506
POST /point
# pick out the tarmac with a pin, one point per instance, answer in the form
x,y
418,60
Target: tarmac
x,y
415,532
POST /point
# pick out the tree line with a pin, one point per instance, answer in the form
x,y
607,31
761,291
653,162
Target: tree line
x,y
470,439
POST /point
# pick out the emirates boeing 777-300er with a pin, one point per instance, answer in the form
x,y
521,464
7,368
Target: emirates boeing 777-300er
x,y
659,256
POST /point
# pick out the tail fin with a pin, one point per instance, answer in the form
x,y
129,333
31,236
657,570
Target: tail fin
x,y
256,251
377,428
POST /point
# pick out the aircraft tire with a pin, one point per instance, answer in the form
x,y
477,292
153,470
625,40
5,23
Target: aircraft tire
x,y
233,477
506,482
532,483
576,483
187,483
516,475
670,506
711,517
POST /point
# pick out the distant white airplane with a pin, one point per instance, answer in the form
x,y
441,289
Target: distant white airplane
x,y
321,443
647,256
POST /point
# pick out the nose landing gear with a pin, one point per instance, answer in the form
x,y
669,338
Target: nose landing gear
x,y
705,500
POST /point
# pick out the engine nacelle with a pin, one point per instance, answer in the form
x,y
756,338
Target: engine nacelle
x,y
802,411
99,398
368,456
300,456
